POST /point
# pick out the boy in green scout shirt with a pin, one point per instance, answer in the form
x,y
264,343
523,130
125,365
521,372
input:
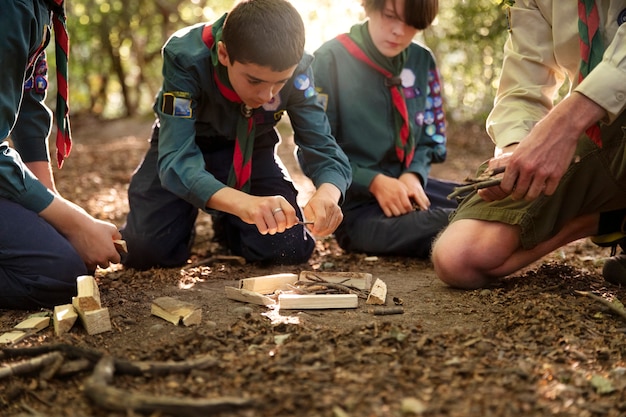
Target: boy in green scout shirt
x,y
226,85
383,98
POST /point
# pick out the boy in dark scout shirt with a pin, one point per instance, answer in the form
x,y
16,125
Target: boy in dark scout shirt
x,y
46,241
226,85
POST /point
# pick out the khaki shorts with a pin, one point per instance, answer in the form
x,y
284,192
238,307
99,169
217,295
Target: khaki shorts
x,y
597,183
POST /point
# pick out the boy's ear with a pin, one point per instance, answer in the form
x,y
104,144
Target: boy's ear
x,y
222,54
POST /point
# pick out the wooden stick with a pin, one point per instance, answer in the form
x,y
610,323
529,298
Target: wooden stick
x,y
619,311
473,187
30,365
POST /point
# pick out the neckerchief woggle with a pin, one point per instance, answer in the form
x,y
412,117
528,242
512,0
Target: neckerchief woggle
x,y
241,169
359,44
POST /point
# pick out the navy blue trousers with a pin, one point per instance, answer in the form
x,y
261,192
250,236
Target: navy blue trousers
x,y
366,229
38,266
158,229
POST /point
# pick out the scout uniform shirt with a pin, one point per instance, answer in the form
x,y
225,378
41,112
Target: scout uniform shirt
x,y
361,114
543,49
29,129
190,105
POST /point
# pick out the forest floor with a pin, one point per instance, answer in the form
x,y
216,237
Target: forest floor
x,y
540,342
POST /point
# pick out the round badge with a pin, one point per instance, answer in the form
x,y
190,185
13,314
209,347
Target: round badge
x,y
430,130
621,18
302,82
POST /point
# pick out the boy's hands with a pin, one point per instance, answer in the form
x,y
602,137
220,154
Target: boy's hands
x,y
398,196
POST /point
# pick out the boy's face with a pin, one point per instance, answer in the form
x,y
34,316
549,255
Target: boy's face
x,y
387,28
255,84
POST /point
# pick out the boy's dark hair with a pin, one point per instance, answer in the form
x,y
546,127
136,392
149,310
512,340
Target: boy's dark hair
x,y
269,33
417,13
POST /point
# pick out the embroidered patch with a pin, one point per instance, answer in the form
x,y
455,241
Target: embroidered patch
x,y
302,82
177,104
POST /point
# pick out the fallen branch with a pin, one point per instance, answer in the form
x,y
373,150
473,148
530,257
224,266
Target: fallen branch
x,y
98,390
31,365
611,306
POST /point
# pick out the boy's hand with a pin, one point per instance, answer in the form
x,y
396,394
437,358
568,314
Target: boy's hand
x,y
92,238
323,209
270,214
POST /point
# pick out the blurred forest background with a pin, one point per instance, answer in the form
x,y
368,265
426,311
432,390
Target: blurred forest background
x,y
115,61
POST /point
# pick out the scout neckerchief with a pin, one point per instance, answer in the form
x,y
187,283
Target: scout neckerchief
x,y
360,45
591,50
62,50
241,170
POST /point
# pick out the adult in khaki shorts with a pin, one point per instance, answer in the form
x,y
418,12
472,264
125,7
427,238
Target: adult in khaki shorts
x,y
561,182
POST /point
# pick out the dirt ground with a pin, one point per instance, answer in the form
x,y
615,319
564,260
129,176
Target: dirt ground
x,y
538,343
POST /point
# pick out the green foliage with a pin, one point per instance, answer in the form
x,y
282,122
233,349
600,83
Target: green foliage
x,y
115,61
468,41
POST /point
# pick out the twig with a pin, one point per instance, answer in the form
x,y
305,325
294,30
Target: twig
x,y
615,309
212,259
473,187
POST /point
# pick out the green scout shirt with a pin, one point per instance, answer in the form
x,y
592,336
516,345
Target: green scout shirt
x,y
25,35
542,52
201,110
361,114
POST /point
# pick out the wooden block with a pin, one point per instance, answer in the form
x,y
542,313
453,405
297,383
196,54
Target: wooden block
x,y
317,301
33,323
120,246
88,297
248,296
12,337
63,318
176,311
268,284
95,321
378,293
360,280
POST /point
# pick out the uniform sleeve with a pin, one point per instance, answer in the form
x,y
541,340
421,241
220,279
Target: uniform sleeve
x,y
530,76
606,84
32,129
181,164
18,184
321,158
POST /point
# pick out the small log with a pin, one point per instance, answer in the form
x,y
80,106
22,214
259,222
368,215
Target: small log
x,y
63,318
88,297
14,336
378,293
268,284
35,324
317,301
120,246
176,311
95,321
246,296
